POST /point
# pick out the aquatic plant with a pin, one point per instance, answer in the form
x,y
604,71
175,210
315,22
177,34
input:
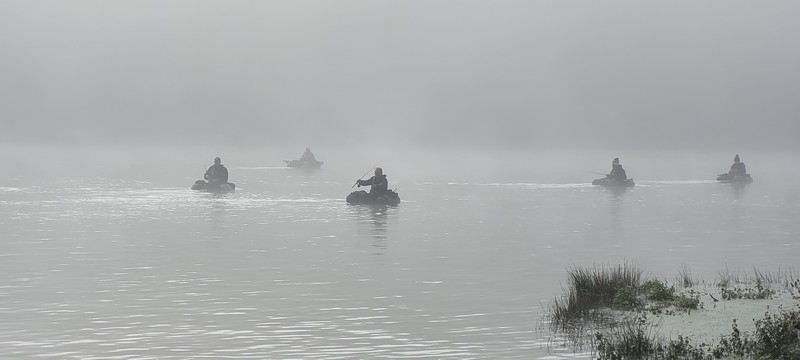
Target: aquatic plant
x,y
776,335
794,289
746,293
626,299
687,301
735,344
765,278
633,339
684,348
594,288
656,290
615,335
597,286
685,277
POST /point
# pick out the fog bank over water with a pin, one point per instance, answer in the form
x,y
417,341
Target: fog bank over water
x,y
180,166
713,75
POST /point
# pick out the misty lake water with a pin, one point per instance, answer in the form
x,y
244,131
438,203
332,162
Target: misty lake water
x,y
108,267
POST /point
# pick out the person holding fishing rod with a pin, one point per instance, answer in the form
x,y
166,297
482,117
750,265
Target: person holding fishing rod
x,y
617,172
379,184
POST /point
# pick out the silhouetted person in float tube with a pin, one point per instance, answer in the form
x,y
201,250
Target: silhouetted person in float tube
x,y
308,156
617,172
738,168
217,174
379,184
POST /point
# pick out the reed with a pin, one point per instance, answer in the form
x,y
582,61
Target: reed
x,y
593,288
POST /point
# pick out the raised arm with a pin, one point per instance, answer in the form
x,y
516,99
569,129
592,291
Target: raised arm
x,y
367,182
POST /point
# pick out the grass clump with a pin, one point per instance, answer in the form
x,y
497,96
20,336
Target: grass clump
x,y
746,293
734,286
782,276
631,340
593,288
687,301
685,277
656,290
626,299
597,286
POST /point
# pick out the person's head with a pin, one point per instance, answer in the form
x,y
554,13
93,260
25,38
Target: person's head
x,y
736,159
615,162
378,171
308,149
217,161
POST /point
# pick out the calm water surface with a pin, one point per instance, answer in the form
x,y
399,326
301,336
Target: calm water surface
x,y
285,269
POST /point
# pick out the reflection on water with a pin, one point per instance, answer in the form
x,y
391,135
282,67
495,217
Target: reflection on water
x,y
616,202
375,219
218,212
618,193
738,189
734,198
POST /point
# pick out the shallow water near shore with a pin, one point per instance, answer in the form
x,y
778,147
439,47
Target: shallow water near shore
x,y
109,267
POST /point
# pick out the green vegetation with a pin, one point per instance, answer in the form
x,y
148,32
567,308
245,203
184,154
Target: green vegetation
x,y
746,293
685,277
775,337
614,287
784,277
625,298
656,290
612,303
595,288
687,301
628,341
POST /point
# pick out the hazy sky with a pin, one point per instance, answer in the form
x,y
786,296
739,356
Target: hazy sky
x,y
698,74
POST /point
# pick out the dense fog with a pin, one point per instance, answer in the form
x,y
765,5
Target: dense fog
x,y
495,122
426,75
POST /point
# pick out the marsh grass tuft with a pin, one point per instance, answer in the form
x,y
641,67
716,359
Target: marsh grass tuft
x,y
657,290
763,278
626,298
685,277
633,339
597,286
592,288
687,301
746,293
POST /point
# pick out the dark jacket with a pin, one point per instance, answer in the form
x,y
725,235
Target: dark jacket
x,y
378,183
618,173
217,173
738,169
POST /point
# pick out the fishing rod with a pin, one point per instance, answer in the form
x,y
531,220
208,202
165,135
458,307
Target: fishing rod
x,y
362,176
595,172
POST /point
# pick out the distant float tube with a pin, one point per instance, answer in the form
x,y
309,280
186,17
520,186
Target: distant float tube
x,y
613,183
739,179
201,185
303,164
363,197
